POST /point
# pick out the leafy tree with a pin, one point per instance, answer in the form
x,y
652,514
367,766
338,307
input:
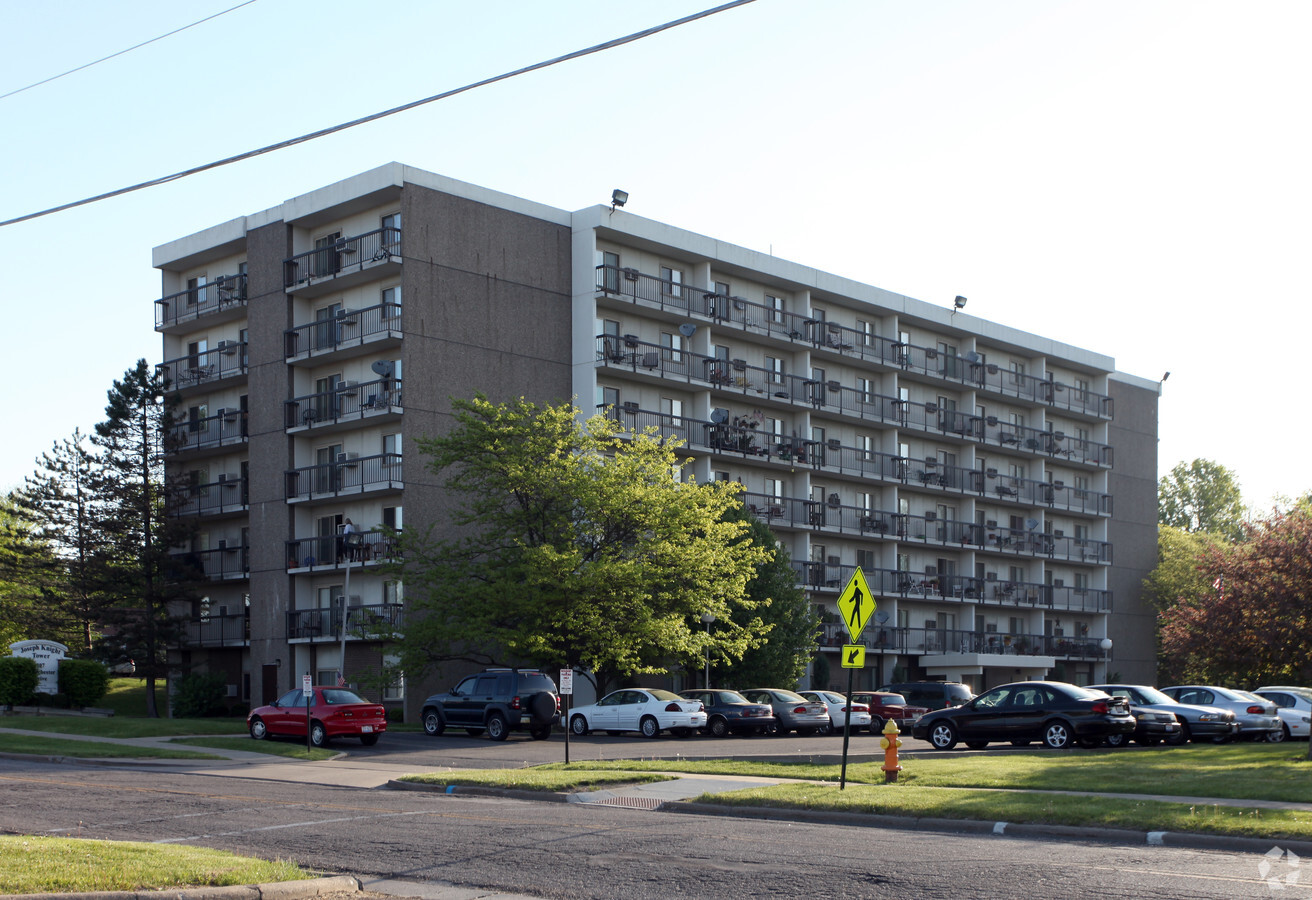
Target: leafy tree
x,y
133,565
1201,496
22,614
790,623
579,544
1253,622
1180,556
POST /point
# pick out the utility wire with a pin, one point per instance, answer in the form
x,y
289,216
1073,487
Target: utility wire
x,y
577,54
121,52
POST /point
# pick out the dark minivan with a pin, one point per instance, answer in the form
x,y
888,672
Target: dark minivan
x,y
931,694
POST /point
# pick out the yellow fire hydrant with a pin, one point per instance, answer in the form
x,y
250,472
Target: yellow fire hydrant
x,y
889,743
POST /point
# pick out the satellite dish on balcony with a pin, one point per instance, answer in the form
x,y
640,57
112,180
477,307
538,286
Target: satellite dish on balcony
x,y
1031,524
719,415
687,329
972,357
383,367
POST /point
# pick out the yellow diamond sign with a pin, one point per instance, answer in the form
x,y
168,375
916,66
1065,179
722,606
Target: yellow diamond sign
x,y
856,605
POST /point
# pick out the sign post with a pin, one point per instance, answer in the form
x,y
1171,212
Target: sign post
x,y
566,691
307,691
856,606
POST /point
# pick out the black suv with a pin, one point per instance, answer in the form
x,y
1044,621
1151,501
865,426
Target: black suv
x,y
497,701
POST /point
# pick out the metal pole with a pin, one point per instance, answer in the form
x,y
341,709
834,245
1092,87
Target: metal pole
x,y
847,730
346,597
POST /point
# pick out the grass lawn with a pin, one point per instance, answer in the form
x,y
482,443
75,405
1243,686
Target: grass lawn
x,y
38,745
31,865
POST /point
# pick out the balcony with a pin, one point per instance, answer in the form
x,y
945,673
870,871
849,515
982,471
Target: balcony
x,y
333,552
349,402
349,332
224,563
226,428
221,300
946,641
374,622
219,631
206,368
350,475
893,584
225,497
626,285
374,254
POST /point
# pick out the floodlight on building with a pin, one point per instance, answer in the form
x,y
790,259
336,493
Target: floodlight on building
x,y
618,198
960,302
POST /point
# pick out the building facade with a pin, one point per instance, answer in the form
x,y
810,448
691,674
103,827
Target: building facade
x,y
998,489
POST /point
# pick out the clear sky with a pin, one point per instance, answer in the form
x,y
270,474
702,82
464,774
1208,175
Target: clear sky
x,y
1130,177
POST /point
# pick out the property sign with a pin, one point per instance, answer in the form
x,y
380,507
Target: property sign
x,y
46,655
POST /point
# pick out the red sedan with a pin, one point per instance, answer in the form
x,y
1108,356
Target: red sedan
x,y
884,706
334,712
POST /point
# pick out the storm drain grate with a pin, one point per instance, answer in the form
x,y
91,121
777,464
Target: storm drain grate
x,y
630,802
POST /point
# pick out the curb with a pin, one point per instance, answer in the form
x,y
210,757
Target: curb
x,y
451,789
280,890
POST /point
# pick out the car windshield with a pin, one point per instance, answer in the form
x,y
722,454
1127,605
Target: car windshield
x,y
896,700
663,695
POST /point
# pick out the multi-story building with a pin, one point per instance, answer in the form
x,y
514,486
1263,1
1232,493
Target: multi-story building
x,y
998,489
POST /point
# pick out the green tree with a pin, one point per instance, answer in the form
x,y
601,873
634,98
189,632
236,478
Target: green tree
x,y
790,623
1180,560
1201,496
22,614
579,544
141,523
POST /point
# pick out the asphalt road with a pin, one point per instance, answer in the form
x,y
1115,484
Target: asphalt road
x,y
582,851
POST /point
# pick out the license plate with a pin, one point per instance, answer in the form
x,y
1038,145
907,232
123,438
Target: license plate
x,y
366,728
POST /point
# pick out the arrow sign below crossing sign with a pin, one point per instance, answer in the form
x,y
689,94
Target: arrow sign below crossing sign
x,y
856,605
854,656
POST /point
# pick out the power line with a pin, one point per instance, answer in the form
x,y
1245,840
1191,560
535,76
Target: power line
x,y
577,54
121,52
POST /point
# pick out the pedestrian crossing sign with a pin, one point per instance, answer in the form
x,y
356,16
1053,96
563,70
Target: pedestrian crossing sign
x,y
856,605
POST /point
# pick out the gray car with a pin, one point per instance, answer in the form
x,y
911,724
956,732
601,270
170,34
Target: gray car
x,y
1257,717
1199,723
792,711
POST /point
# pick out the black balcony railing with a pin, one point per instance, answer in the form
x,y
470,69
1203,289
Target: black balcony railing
x,y
227,360
230,495
224,428
648,290
343,329
943,641
345,255
376,621
233,630
350,474
224,563
348,400
222,293
892,584
332,551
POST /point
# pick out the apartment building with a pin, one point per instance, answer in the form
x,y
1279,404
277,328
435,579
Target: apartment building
x,y
998,489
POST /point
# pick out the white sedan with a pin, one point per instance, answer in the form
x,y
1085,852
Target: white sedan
x,y
1294,706
837,705
646,710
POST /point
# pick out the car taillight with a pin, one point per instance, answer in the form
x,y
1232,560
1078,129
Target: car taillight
x,y
1100,707
673,707
801,710
859,708
1256,711
514,703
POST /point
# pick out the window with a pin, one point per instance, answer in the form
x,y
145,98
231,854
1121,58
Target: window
x,y
392,444
865,502
1016,470
325,397
391,225
326,259
775,307
1081,533
866,444
1017,372
196,291
392,301
672,281
867,332
865,560
607,397
394,689
865,389
326,327
392,517
672,407
774,489
672,347
774,427
775,366
948,359
1081,581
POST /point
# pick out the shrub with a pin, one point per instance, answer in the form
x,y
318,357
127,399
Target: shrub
x,y
83,681
395,714
197,694
18,680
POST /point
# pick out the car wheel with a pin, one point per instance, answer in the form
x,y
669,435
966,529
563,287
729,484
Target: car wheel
x,y
828,729
943,735
1118,740
318,734
540,732
433,723
259,730
876,725
1276,737
1181,737
1057,735
579,726
474,731
368,739
1221,739
977,745
649,727
718,727
496,727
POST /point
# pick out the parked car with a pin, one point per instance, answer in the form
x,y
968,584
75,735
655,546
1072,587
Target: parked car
x,y
1257,717
1293,706
730,712
836,705
1056,713
649,711
930,694
792,711
885,706
1198,723
334,712
497,701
